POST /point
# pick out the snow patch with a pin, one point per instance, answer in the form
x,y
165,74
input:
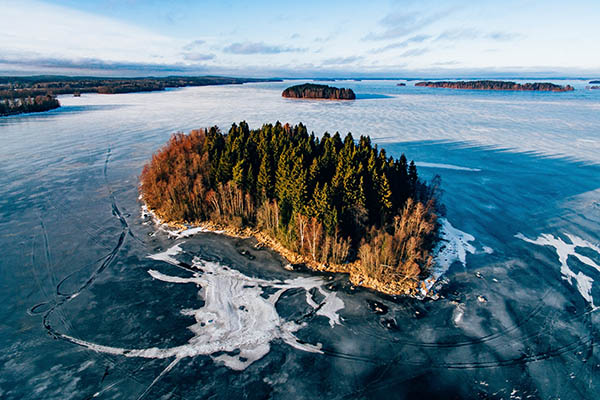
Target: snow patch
x,y
453,246
167,256
236,319
457,315
564,250
173,233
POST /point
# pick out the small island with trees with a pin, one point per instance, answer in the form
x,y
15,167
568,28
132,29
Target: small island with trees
x,y
29,104
331,204
314,91
497,85
594,82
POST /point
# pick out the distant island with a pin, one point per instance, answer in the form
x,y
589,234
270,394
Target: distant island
x,y
594,82
21,94
314,91
594,87
497,85
331,204
401,84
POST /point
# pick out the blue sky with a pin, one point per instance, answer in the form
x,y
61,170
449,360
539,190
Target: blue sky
x,y
308,38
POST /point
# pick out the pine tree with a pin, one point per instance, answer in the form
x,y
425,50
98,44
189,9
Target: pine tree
x,y
239,175
412,175
264,184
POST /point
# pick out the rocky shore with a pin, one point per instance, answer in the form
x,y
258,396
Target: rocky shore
x,y
180,230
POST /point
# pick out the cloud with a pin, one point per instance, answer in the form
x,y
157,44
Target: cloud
x,y
402,24
414,52
259,48
459,34
32,64
74,34
342,60
198,56
445,63
503,36
193,45
327,38
403,44
472,34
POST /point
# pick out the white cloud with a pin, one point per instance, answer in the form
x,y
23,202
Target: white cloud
x,y
34,28
258,48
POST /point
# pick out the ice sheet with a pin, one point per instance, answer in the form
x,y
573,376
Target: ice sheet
x,y
236,320
564,250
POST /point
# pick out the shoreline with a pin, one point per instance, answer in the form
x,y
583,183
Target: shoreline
x,y
421,288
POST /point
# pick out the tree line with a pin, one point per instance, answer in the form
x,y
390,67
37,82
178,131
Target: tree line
x,y
19,87
28,104
330,199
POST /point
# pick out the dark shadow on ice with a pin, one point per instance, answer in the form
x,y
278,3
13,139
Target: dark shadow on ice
x,y
369,96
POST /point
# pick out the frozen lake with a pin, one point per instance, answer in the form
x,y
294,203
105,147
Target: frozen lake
x,y
96,302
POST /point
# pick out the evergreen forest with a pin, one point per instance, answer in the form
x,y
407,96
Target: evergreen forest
x,y
332,200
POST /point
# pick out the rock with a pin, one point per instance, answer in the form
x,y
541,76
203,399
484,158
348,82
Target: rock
x,y
377,307
389,323
481,299
247,254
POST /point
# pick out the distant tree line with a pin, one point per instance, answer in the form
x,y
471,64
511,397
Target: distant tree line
x,y
22,93
42,85
28,104
497,85
329,199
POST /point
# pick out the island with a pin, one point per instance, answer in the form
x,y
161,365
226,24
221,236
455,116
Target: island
x,y
594,87
401,84
594,82
497,85
314,91
332,204
20,94
19,105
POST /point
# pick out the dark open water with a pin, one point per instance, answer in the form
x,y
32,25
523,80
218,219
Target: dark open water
x,y
87,314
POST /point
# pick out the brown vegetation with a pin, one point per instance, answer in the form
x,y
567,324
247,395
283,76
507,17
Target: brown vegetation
x,y
333,205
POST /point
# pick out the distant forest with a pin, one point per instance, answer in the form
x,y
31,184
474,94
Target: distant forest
x,y
331,200
16,92
498,85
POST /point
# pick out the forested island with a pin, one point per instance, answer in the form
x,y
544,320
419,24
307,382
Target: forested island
x,y
314,91
497,85
594,82
11,106
332,204
21,94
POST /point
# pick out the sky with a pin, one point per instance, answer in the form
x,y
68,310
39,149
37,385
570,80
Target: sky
x,y
374,38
